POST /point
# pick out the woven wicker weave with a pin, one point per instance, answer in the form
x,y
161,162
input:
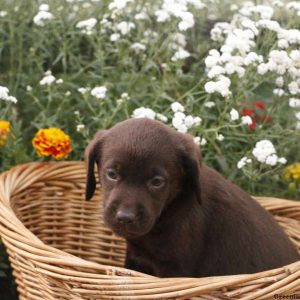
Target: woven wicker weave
x,y
60,249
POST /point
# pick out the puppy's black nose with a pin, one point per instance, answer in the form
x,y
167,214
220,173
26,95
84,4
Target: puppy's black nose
x,y
125,216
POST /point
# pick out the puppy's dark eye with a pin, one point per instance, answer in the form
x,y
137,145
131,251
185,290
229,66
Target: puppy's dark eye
x,y
157,182
112,174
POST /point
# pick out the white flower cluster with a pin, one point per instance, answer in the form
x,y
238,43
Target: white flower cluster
x,y
124,97
234,56
178,9
169,9
122,28
125,27
138,47
48,79
108,25
119,4
87,26
99,92
209,104
284,64
281,62
243,162
181,121
43,15
264,11
117,8
180,54
221,86
220,137
236,53
220,30
83,90
4,95
178,44
287,65
234,116
200,141
265,152
115,36
80,128
294,5
3,13
294,103
144,112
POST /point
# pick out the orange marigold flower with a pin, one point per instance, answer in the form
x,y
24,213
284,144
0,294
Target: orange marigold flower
x,y
52,142
4,130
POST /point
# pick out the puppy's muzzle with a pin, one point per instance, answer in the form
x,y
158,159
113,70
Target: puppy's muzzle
x,y
125,216
129,221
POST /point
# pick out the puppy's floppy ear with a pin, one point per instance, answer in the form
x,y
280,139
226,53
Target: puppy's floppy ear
x,y
191,158
91,156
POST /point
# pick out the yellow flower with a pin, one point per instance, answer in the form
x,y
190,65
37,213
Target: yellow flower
x,y
4,130
292,173
52,142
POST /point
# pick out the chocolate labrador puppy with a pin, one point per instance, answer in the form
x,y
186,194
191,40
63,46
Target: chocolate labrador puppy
x,y
178,216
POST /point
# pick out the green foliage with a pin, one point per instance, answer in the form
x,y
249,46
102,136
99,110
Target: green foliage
x,y
150,77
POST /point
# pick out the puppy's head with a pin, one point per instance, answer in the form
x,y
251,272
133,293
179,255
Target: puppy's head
x,y
143,166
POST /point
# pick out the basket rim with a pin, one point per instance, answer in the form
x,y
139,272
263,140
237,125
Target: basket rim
x,y
14,234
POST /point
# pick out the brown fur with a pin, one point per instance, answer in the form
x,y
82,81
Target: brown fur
x,y
188,221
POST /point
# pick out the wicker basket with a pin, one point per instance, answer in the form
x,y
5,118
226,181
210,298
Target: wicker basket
x,y
59,247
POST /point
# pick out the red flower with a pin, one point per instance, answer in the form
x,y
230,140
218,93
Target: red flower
x,y
247,112
260,105
252,126
256,114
